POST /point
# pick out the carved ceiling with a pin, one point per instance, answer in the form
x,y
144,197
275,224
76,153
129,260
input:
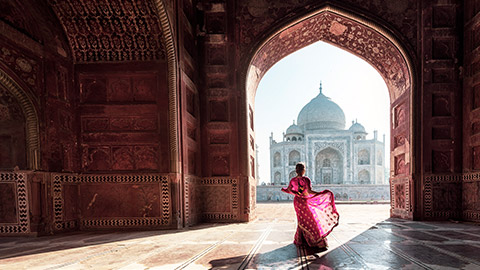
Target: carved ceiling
x,y
111,30
357,38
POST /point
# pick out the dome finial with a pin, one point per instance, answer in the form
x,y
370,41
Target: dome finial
x,y
320,87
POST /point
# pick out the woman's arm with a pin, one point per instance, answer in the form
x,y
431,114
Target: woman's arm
x,y
288,189
309,187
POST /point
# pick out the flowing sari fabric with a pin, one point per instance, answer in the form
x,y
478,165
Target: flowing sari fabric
x,y
316,213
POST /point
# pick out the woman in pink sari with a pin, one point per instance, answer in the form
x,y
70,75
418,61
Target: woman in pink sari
x,y
316,212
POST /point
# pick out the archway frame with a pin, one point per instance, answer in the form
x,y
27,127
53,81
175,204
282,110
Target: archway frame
x,y
172,66
31,118
402,162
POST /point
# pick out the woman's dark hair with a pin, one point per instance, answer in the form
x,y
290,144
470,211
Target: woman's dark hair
x,y
300,167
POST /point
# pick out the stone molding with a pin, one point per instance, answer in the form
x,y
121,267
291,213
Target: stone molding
x,y
169,44
22,226
471,177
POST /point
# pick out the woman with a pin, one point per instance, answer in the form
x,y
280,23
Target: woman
x,y
316,212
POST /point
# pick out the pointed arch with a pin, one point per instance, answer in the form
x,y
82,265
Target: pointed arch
x,y
31,117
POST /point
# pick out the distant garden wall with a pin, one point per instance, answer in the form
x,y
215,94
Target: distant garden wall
x,y
366,193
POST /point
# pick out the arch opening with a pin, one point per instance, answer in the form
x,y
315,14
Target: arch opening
x,y
378,47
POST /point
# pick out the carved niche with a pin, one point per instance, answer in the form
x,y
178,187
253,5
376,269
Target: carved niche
x,y
400,165
399,195
398,140
400,115
12,132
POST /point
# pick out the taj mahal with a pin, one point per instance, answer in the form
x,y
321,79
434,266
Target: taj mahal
x,y
333,155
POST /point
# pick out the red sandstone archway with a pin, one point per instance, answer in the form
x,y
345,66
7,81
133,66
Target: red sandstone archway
x,y
379,48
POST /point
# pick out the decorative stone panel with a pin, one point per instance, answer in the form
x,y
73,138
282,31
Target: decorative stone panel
x,y
220,199
400,189
150,192
442,196
471,196
14,203
111,30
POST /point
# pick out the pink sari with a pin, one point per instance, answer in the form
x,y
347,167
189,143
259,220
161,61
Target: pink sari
x,y
316,213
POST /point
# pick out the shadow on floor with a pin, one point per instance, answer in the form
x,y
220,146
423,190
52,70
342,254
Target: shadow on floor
x,y
275,259
11,247
389,244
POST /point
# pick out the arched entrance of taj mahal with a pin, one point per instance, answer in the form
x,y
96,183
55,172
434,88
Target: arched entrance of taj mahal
x,y
379,48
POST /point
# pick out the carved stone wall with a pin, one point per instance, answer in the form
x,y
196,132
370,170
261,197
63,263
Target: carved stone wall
x,y
124,118
441,147
189,91
471,111
220,107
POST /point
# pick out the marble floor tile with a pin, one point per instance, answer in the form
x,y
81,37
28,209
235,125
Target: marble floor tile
x,y
366,238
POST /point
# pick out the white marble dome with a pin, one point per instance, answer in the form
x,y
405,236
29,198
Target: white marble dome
x,y
321,113
357,128
294,129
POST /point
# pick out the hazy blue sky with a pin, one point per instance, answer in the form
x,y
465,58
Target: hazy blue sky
x,y
290,84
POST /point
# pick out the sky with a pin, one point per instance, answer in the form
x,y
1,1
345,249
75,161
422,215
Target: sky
x,y
292,82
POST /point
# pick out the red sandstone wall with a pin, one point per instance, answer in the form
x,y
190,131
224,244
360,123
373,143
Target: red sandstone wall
x,y
439,187
471,112
189,89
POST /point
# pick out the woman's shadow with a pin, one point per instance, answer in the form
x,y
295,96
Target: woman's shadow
x,y
286,257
